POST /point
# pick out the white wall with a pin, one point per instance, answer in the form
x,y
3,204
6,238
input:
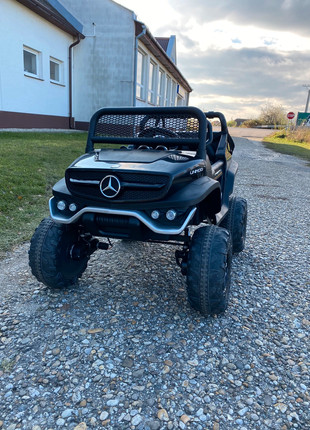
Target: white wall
x,y
103,62
19,93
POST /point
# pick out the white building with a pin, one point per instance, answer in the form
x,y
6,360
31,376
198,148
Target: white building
x,y
61,60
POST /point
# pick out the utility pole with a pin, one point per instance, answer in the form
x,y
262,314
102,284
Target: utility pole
x,y
308,98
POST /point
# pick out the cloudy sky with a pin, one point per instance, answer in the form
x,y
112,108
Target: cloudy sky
x,y
237,55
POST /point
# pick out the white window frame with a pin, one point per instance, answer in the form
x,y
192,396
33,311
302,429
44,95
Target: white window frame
x,y
168,91
151,93
38,62
141,75
173,93
60,65
161,87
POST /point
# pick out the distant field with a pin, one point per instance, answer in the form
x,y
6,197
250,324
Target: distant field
x,y
30,164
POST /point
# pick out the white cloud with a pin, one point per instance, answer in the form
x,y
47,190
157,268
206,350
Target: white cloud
x,y
238,55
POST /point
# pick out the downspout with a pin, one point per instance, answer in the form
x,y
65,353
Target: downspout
x,y
71,119
143,32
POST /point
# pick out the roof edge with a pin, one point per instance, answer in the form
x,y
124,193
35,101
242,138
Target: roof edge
x,y
151,43
56,14
67,15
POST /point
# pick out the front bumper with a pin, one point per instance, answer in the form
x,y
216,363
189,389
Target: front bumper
x,y
151,224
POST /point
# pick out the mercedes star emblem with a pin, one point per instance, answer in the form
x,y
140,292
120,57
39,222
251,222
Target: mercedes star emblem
x,y
110,186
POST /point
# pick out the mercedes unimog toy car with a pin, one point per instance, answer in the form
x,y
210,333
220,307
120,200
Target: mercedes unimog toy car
x,y
162,176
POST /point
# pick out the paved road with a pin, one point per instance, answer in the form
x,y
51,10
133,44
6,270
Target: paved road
x,y
124,349
256,134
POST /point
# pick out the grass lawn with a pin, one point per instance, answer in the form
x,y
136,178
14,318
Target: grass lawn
x,y
30,164
295,143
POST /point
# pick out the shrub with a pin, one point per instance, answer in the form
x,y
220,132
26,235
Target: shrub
x,y
232,123
298,135
249,123
301,134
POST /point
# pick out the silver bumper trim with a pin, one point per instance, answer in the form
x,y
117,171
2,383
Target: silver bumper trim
x,y
136,214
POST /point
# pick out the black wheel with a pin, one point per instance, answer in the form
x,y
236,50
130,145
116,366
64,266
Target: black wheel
x,y
235,222
56,256
208,270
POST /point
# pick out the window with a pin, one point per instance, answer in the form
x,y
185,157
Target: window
x,y
181,96
56,71
152,83
168,91
141,75
173,93
32,62
161,88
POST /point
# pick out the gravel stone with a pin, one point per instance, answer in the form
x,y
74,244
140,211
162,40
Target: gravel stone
x,y
67,413
123,348
243,411
113,402
137,419
154,425
103,416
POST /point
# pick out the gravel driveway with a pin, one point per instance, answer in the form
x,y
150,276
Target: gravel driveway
x,y
123,350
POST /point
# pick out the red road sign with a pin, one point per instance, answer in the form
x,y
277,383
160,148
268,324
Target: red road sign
x,y
290,115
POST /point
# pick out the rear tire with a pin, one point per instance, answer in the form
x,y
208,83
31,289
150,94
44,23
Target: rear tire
x,y
208,270
50,254
235,222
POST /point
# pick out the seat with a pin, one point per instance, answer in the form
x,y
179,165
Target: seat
x,y
226,144
212,147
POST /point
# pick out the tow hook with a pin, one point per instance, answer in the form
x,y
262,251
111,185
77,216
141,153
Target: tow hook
x,y
181,259
87,247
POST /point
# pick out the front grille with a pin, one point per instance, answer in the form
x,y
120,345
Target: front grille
x,y
135,187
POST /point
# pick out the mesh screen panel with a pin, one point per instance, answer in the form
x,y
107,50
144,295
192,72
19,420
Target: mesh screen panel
x,y
133,125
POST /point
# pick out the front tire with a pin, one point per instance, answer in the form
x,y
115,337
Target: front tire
x,y
208,270
50,256
235,222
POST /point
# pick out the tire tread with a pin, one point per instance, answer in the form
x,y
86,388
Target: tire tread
x,y
210,248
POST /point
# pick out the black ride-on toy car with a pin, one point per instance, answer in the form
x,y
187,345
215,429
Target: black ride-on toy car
x,y
164,173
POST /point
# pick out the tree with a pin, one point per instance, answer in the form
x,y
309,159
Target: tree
x,y
273,114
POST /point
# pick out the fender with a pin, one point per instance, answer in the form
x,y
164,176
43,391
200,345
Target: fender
x,y
228,190
196,192
230,179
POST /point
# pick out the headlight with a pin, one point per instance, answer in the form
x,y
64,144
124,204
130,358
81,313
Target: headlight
x,y
171,214
72,207
155,214
61,205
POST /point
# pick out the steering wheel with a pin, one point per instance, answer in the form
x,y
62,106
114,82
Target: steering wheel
x,y
157,119
156,131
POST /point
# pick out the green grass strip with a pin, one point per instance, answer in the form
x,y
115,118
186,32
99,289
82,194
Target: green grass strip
x,y
30,164
290,143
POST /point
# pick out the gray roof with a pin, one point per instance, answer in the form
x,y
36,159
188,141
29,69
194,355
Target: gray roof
x,y
55,13
163,41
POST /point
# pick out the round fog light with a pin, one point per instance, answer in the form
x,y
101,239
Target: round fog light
x,y
61,205
171,214
72,207
155,214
